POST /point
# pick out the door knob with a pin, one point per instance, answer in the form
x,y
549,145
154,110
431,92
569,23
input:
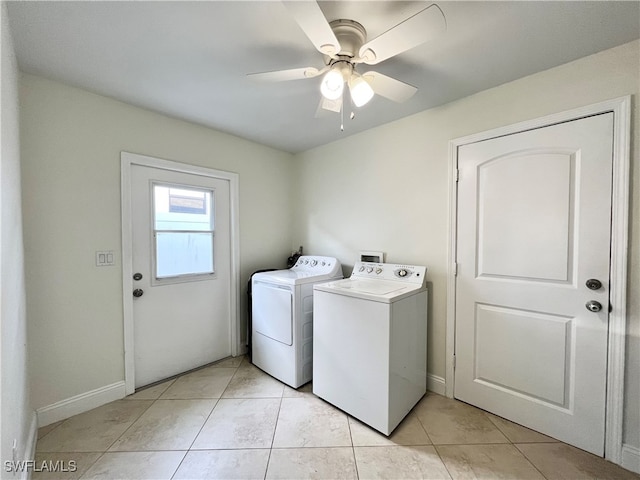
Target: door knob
x,y
593,306
593,284
137,276
138,292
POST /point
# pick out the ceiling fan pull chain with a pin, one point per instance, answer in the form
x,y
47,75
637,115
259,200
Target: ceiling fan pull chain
x,y
352,115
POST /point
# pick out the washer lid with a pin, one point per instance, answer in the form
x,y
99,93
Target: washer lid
x,y
376,290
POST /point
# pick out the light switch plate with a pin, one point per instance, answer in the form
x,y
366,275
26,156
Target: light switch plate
x,y
105,258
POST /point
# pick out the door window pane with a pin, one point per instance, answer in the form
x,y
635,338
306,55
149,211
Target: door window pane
x,y
182,209
183,253
183,231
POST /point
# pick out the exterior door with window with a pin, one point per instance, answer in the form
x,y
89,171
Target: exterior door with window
x,y
181,264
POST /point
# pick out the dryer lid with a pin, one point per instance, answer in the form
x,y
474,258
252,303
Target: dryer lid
x,y
308,269
281,276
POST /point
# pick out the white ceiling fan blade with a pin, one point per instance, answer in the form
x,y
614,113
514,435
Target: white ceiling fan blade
x,y
421,27
284,75
389,87
314,24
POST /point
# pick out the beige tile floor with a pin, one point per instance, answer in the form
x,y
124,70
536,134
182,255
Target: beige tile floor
x,y
232,421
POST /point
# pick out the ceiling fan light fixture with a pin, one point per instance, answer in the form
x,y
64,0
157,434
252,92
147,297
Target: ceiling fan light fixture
x,y
332,84
361,91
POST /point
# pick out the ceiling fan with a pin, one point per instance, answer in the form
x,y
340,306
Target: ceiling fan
x,y
345,45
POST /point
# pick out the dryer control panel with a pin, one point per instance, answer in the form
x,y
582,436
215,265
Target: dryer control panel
x,y
317,265
413,274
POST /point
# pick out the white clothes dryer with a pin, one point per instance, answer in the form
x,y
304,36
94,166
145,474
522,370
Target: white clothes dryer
x,y
282,317
370,342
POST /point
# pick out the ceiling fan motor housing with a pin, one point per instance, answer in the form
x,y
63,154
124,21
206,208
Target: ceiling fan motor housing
x,y
351,36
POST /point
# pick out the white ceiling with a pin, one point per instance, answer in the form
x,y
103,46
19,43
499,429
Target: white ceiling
x,y
189,59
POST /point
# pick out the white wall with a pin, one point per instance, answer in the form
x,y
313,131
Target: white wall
x,y
16,412
387,188
71,143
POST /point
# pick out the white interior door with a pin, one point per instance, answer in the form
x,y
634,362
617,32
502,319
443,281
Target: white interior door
x,y
181,250
534,224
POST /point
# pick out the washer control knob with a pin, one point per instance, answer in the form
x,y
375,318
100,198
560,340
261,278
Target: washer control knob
x,y
314,263
378,270
402,272
361,269
369,269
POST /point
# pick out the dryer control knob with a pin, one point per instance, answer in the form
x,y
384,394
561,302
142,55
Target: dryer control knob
x,y
369,269
402,273
378,270
314,263
361,269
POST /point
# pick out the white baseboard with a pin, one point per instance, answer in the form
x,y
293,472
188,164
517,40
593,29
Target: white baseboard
x,y
631,458
80,403
436,384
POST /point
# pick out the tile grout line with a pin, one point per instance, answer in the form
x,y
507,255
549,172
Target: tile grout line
x,y
197,435
132,423
53,429
211,412
205,422
92,464
491,418
420,421
444,464
353,449
530,461
273,438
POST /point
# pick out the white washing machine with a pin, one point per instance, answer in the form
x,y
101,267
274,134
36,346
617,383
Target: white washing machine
x,y
370,342
282,317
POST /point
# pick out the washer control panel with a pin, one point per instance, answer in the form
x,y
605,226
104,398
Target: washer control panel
x,y
316,264
389,271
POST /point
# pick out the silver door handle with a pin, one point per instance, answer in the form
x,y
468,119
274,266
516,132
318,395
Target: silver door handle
x,y
593,306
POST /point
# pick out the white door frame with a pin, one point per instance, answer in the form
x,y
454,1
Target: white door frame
x,y
621,109
127,160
